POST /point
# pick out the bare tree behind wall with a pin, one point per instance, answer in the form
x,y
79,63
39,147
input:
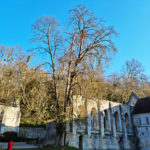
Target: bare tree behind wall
x,y
87,38
133,79
47,39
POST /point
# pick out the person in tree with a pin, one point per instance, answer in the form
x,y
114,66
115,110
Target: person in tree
x,y
10,145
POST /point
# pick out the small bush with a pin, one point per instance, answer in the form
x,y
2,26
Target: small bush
x,y
10,135
7,136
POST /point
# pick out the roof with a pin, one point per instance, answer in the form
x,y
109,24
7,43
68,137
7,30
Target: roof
x,y
142,106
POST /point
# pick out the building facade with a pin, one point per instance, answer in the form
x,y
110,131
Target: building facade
x,y
100,124
106,125
141,119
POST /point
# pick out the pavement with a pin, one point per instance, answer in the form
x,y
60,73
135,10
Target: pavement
x,y
18,145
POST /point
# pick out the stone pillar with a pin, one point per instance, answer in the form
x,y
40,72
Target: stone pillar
x,y
103,140
116,144
97,121
124,127
114,126
109,120
89,125
130,120
74,127
102,124
125,138
120,121
68,125
103,145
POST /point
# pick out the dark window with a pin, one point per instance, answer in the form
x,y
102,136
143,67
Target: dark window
x,y
127,122
105,119
147,121
80,142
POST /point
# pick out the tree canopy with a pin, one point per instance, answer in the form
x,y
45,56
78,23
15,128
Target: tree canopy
x,y
75,56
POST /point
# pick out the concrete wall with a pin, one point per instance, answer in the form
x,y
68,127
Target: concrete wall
x,y
142,126
32,133
9,119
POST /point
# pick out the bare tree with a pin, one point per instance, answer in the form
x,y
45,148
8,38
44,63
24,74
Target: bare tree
x,y
88,38
133,69
132,78
48,40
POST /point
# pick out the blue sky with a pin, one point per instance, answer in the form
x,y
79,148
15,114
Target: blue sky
x,y
131,19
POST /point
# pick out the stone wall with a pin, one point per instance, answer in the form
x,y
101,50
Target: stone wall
x,y
9,119
32,133
100,124
51,136
142,126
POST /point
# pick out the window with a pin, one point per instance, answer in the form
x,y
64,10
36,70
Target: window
x,y
138,121
147,120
